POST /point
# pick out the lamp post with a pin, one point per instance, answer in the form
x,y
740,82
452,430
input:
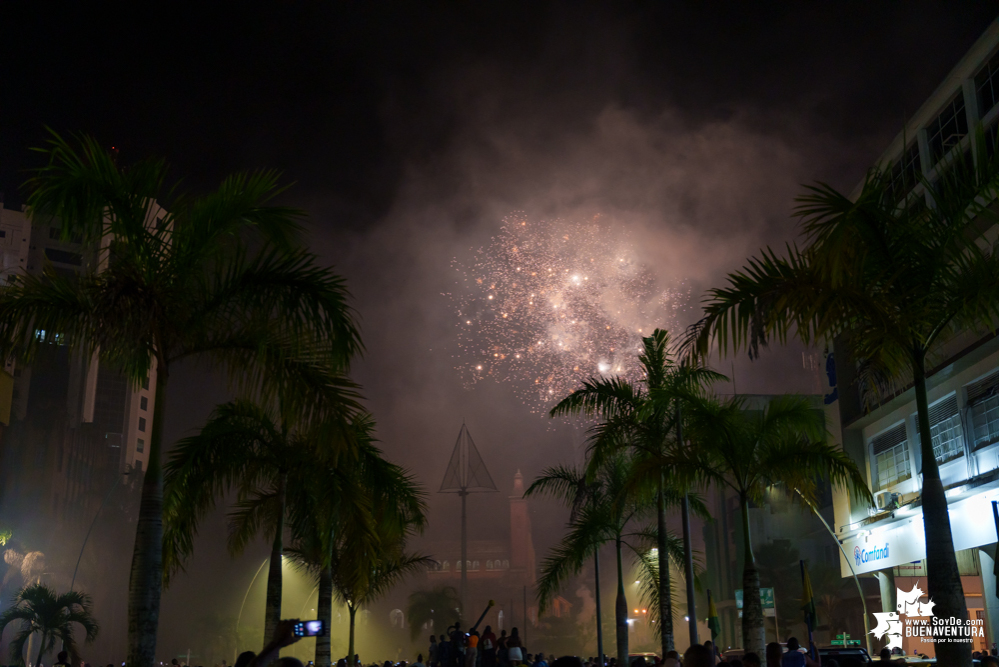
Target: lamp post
x,y
245,595
117,481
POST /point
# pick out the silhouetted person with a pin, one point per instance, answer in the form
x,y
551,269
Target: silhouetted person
x,y
885,656
487,647
514,647
774,654
243,660
751,660
471,648
698,655
502,650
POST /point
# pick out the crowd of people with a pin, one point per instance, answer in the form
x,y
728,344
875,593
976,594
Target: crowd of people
x,y
456,648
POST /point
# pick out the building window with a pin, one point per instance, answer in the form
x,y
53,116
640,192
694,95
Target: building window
x,y
506,565
983,407
945,430
905,174
446,566
489,565
948,129
891,457
3,234
143,403
987,86
145,382
475,565
142,424
64,256
140,445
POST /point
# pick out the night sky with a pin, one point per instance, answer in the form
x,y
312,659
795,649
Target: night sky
x,y
410,130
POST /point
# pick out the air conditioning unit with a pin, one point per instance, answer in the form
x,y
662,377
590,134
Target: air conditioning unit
x,y
886,500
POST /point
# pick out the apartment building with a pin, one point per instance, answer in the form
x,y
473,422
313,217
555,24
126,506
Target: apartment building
x,y
78,422
887,542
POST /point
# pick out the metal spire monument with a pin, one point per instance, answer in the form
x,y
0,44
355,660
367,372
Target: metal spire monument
x,y
466,473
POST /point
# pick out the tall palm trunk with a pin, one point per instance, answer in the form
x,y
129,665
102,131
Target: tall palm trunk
x,y
665,599
688,549
145,584
352,610
596,595
621,610
753,630
688,565
325,610
41,650
272,608
943,576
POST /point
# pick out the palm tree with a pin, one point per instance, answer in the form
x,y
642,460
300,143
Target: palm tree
x,y
335,505
218,279
647,416
894,280
782,447
439,607
365,569
573,489
41,610
607,517
243,447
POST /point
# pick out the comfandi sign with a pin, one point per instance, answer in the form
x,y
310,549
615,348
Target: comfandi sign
x,y
863,556
903,541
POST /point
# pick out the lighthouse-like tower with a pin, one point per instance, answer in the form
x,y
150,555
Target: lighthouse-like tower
x,y
466,473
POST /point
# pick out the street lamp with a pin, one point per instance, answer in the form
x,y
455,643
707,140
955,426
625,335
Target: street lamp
x,y
245,595
117,481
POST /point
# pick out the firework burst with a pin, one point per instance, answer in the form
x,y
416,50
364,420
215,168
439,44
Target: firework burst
x,y
550,303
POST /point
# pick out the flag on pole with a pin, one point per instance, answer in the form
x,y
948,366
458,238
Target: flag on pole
x,y
811,616
808,597
714,623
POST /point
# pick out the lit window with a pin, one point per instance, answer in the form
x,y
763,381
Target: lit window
x,y
945,430
947,130
142,424
489,565
983,402
446,566
475,565
140,445
891,457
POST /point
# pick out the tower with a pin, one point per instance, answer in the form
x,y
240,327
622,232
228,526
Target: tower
x,y
521,543
466,473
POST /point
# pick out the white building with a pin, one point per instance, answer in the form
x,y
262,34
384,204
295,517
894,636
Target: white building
x,y
888,542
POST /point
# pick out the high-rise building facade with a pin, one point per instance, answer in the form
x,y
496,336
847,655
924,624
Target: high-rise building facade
x,y
881,433
75,442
